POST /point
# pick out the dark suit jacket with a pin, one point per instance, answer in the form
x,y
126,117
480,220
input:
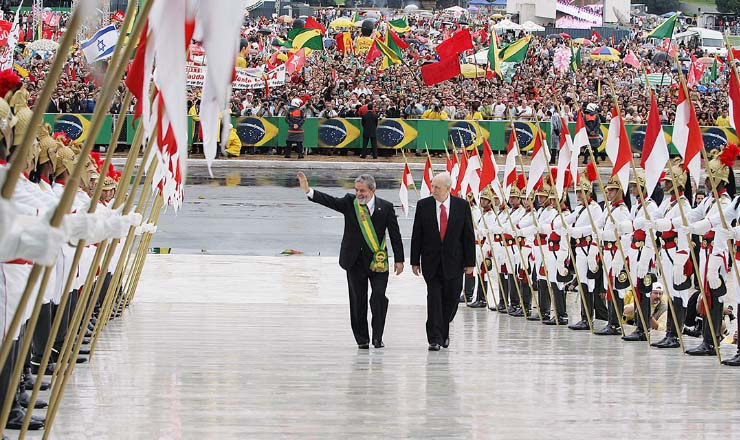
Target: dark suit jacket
x,y
353,243
458,249
369,124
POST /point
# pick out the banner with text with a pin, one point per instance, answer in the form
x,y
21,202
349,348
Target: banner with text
x,y
245,78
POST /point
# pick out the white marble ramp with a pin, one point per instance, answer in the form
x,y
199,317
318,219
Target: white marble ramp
x,y
220,347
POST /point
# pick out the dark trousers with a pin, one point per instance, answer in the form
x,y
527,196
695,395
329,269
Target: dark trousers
x,y
715,312
42,331
559,295
373,142
644,301
358,278
482,288
589,305
293,145
543,297
468,287
613,317
673,328
442,302
512,290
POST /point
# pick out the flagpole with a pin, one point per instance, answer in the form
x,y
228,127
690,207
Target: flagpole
x,y
412,177
674,187
715,194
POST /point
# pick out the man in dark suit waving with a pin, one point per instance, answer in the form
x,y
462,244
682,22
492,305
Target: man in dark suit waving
x,y
363,252
442,248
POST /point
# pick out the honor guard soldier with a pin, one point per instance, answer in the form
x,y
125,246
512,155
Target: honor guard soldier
x,y
583,243
674,250
615,274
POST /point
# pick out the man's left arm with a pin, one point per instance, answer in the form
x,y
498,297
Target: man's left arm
x,y
468,240
396,242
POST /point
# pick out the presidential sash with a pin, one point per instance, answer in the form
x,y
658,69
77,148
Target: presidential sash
x,y
379,262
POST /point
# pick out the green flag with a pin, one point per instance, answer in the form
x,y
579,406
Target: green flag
x,y
665,29
575,59
493,55
400,25
516,51
306,37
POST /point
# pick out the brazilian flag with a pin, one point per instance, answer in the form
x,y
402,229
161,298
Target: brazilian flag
x,y
395,133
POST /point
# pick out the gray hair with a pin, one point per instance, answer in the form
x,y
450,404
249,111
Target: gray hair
x,y
444,178
367,179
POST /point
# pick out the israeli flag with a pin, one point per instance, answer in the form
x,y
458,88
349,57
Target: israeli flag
x,y
101,45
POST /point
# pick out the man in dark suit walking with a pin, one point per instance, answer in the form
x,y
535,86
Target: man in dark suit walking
x,y
363,252
442,248
369,131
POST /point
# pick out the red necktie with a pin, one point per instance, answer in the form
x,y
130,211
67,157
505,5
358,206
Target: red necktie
x,y
442,222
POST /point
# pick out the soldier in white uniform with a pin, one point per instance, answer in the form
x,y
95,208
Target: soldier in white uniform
x,y
557,252
516,212
615,275
583,243
674,251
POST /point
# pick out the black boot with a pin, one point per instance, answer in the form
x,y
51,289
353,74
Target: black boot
x,y
640,333
733,361
703,349
609,330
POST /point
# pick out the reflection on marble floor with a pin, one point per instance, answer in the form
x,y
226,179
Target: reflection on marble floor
x,y
222,347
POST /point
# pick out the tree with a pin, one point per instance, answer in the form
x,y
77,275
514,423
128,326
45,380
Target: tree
x,y
660,7
728,6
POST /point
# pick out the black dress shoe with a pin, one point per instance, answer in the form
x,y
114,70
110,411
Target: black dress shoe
x,y
364,346
661,342
733,361
85,341
81,360
35,368
502,309
493,309
362,156
24,399
512,309
672,342
477,305
446,343
29,382
378,343
702,350
609,330
636,335
434,347
15,420
580,325
692,331
536,317
84,351
519,312
462,298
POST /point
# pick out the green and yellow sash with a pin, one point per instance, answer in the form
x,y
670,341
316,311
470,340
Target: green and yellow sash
x,y
379,262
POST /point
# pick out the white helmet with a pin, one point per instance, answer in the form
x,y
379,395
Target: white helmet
x,y
296,102
592,107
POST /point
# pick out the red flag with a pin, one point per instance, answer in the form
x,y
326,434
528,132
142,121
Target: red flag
x,y
458,43
373,53
426,179
434,73
618,149
295,62
5,27
735,53
135,76
461,173
398,40
119,16
687,136
489,170
311,23
539,162
632,60
595,36
734,96
654,149
512,151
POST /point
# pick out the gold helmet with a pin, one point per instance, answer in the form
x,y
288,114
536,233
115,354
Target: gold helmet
x,y
65,161
676,172
542,189
587,178
487,194
109,183
518,189
720,162
23,113
638,177
7,118
48,146
613,183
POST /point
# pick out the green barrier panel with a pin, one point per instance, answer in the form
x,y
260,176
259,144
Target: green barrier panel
x,y
411,134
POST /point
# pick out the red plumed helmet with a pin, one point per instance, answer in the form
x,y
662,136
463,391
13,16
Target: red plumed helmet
x,y
61,137
9,80
729,154
112,170
553,175
568,179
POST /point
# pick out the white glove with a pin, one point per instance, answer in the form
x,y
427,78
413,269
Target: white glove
x,y
625,227
139,230
593,265
79,225
683,230
617,263
134,218
562,269
679,262
662,224
714,265
640,223
642,267
32,238
114,226
701,227
736,232
722,234
545,228
508,230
